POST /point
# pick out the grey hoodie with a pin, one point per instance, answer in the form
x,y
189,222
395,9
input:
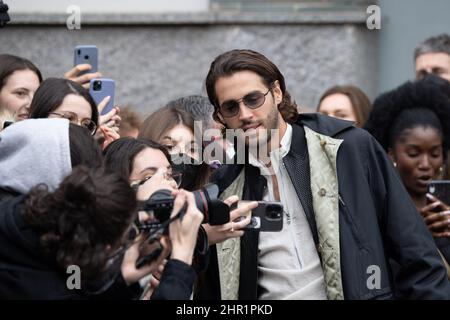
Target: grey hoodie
x,y
34,151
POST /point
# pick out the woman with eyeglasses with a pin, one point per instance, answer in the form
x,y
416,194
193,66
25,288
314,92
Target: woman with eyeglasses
x,y
62,98
148,168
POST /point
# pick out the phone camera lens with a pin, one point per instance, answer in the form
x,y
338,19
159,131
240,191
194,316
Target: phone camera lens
x,y
79,51
86,57
97,85
274,215
273,212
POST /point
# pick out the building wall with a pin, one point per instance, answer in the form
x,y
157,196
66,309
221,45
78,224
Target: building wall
x,y
169,57
108,6
405,23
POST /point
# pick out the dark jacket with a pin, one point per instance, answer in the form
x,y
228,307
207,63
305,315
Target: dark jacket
x,y
27,273
378,223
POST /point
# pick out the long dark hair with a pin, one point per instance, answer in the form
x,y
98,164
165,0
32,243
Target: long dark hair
x,y
51,94
84,150
83,220
119,154
234,61
9,64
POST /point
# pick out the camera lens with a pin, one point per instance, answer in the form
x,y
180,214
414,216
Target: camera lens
x,y
86,57
79,51
97,85
273,212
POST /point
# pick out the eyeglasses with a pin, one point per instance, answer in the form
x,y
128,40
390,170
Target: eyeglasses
x,y
176,176
73,118
253,100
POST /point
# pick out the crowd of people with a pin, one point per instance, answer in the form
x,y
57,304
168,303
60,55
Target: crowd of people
x,y
145,212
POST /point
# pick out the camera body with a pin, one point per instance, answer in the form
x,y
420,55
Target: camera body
x,y
160,206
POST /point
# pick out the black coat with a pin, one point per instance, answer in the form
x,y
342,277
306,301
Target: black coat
x,y
378,223
27,273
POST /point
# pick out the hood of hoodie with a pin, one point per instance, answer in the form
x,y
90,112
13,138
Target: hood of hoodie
x,y
34,151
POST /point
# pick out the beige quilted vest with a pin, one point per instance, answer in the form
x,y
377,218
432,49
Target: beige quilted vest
x,y
324,188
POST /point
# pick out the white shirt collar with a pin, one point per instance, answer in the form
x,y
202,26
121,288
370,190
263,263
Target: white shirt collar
x,y
277,154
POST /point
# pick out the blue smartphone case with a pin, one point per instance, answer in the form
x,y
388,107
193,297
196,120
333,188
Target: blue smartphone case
x,y
101,88
86,54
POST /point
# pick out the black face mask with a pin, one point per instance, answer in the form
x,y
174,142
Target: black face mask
x,y
189,167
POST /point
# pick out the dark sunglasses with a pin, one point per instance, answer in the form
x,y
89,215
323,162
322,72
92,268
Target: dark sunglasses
x,y
253,100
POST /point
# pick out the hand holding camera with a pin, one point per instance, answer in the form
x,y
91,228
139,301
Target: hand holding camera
x,y
183,231
131,270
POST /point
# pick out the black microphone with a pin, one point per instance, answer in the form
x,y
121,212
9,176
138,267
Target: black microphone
x,y
4,17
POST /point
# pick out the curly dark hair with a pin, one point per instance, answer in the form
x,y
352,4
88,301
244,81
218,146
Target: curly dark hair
x,y
424,103
234,61
83,220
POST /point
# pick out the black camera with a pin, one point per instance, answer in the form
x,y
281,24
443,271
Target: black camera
x,y
97,85
160,205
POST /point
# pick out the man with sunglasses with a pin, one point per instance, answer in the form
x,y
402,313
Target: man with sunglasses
x,y
349,230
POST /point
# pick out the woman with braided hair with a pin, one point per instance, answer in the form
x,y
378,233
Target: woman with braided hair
x,y
412,123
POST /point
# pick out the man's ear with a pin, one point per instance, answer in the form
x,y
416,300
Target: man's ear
x,y
218,117
391,155
277,93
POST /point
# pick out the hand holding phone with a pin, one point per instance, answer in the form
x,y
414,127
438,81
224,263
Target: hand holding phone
x,y
100,89
86,55
85,66
436,213
267,216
